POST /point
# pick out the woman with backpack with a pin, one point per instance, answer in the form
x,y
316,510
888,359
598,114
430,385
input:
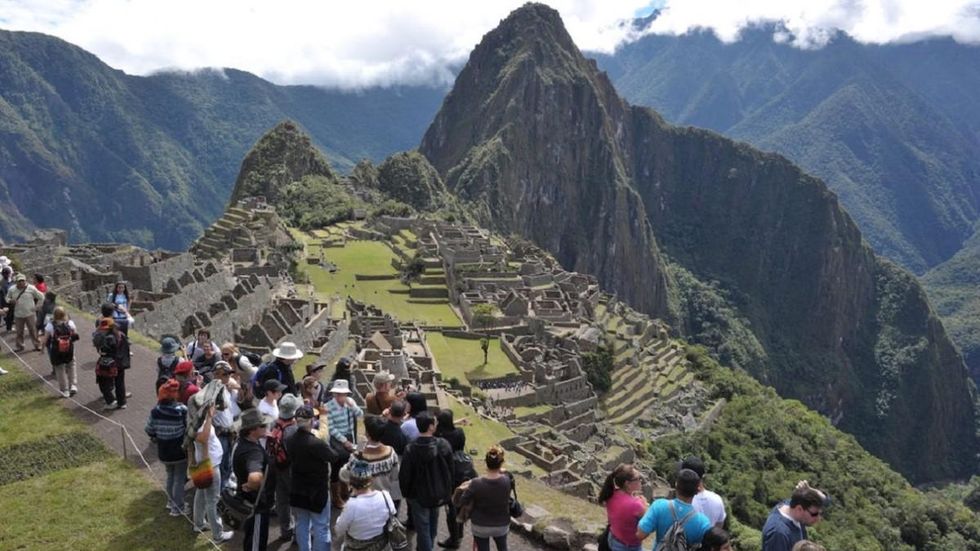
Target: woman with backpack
x,y
167,426
60,335
487,499
624,507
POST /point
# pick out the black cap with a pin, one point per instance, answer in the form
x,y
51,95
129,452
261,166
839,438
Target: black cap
x,y
273,385
305,412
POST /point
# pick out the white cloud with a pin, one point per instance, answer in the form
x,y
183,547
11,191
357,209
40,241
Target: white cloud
x,y
346,44
382,42
811,23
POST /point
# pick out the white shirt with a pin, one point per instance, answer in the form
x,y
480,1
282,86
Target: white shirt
x,y
364,516
226,418
272,410
214,450
711,505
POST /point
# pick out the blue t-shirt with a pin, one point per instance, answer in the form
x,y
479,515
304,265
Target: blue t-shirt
x,y
120,300
658,519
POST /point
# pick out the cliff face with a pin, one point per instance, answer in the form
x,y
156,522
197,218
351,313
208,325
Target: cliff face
x,y
526,138
537,140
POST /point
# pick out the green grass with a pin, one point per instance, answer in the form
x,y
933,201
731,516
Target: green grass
x,y
100,503
463,358
522,411
373,258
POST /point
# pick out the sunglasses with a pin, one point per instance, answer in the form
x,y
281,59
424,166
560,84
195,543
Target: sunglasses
x,y
815,515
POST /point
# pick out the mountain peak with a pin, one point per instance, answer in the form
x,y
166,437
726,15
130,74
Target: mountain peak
x,y
282,155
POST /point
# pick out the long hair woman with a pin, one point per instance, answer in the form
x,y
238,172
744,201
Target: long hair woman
x,y
488,498
624,507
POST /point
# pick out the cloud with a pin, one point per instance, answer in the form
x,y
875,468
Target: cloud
x,y
387,42
809,24
344,44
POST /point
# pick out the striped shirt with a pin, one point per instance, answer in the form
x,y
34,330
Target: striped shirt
x,y
341,419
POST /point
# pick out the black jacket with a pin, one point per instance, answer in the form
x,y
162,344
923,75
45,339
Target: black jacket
x,y
456,438
394,437
309,465
426,472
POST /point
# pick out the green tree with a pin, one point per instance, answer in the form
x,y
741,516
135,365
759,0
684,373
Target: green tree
x,y
483,316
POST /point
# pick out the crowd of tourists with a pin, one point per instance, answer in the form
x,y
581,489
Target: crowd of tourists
x,y
249,437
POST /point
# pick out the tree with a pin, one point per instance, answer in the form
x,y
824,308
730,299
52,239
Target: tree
x,y
412,271
485,346
483,316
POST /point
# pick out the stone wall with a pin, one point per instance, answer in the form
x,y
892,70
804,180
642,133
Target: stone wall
x,y
154,276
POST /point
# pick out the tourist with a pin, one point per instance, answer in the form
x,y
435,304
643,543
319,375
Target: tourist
x,y
168,359
342,370
204,363
488,500
280,369
716,539
314,394
416,405
39,283
807,545
425,479
272,390
625,506
342,414
113,348
381,459
363,521
6,283
309,467
249,463
166,426
447,429
195,349
224,419
382,397
119,299
207,446
23,300
60,335
664,512
393,435
788,520
45,312
706,501
240,362
184,375
275,446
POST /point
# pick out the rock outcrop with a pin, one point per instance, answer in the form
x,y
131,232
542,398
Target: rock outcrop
x,y
535,138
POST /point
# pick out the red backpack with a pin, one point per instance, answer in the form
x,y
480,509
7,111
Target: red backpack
x,y
63,343
274,444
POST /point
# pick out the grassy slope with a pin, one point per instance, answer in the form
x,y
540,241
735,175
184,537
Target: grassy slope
x,y
463,358
105,504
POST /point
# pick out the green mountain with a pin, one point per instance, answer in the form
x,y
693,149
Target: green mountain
x,y
891,129
151,160
722,239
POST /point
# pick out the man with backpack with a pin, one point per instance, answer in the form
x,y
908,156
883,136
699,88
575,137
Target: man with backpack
x,y
677,525
275,447
110,369
168,359
280,369
426,478
24,300
309,462
60,335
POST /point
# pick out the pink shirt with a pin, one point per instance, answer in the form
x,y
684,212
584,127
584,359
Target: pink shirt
x,y
624,512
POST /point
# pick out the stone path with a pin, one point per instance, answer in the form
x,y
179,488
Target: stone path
x,y
137,446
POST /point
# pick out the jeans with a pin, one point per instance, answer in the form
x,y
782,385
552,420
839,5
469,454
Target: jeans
x,y
206,503
426,522
116,384
256,532
176,479
283,482
227,443
483,544
67,376
616,545
320,523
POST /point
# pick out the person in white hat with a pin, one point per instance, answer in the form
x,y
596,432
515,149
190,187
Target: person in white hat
x,y
342,414
280,369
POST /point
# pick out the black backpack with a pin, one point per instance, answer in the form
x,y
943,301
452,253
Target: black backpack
x,y
463,469
62,347
107,344
253,358
166,371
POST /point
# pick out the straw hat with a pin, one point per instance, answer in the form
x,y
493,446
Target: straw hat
x,y
287,351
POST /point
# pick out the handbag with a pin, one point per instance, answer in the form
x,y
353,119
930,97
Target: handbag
x,y
397,536
515,507
202,474
106,366
604,540
235,509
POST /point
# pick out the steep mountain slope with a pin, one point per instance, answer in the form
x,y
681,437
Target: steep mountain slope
x,y
151,160
536,139
891,129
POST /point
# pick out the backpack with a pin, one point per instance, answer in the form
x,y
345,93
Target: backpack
x,y
463,469
274,445
166,371
253,358
674,538
62,346
108,344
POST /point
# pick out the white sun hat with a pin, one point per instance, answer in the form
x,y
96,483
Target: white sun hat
x,y
288,351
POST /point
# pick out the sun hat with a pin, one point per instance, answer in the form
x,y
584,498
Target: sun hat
x,y
314,367
254,418
169,344
184,367
288,406
20,277
287,351
340,386
223,367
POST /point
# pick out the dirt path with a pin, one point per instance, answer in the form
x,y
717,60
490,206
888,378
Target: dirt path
x,y
136,446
